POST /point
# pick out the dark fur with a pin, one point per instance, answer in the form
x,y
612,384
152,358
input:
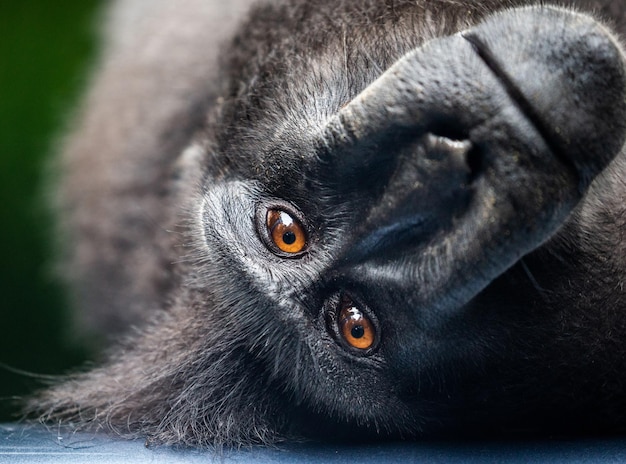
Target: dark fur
x,y
230,345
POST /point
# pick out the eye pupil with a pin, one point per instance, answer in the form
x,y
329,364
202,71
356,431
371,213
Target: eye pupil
x,y
289,238
357,331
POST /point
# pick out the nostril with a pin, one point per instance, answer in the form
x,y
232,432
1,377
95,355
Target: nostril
x,y
460,154
442,144
448,128
475,162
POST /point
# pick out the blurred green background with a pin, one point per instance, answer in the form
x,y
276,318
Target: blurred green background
x,y
45,50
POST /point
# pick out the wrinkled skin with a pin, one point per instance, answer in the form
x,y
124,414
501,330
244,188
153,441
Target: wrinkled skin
x,y
457,170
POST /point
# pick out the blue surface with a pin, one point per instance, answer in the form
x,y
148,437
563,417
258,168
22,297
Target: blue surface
x,y
38,444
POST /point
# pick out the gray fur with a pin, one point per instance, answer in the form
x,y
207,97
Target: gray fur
x,y
176,147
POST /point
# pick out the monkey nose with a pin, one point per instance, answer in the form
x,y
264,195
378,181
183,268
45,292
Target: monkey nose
x,y
534,99
558,71
565,72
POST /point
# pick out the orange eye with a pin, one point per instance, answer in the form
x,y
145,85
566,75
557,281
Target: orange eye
x,y
286,232
355,327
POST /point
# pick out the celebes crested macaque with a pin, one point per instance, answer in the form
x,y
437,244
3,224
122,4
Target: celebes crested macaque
x,y
355,219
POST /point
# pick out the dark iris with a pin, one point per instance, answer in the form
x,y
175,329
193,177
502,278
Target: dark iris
x,y
289,238
357,331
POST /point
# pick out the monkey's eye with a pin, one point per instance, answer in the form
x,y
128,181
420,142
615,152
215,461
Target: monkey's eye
x,y
355,326
286,232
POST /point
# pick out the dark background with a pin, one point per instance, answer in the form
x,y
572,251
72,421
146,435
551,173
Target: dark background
x,y
46,47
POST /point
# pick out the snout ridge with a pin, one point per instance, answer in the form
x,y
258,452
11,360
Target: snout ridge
x,y
566,73
539,94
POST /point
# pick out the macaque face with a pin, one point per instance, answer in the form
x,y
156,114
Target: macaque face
x,y
381,231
